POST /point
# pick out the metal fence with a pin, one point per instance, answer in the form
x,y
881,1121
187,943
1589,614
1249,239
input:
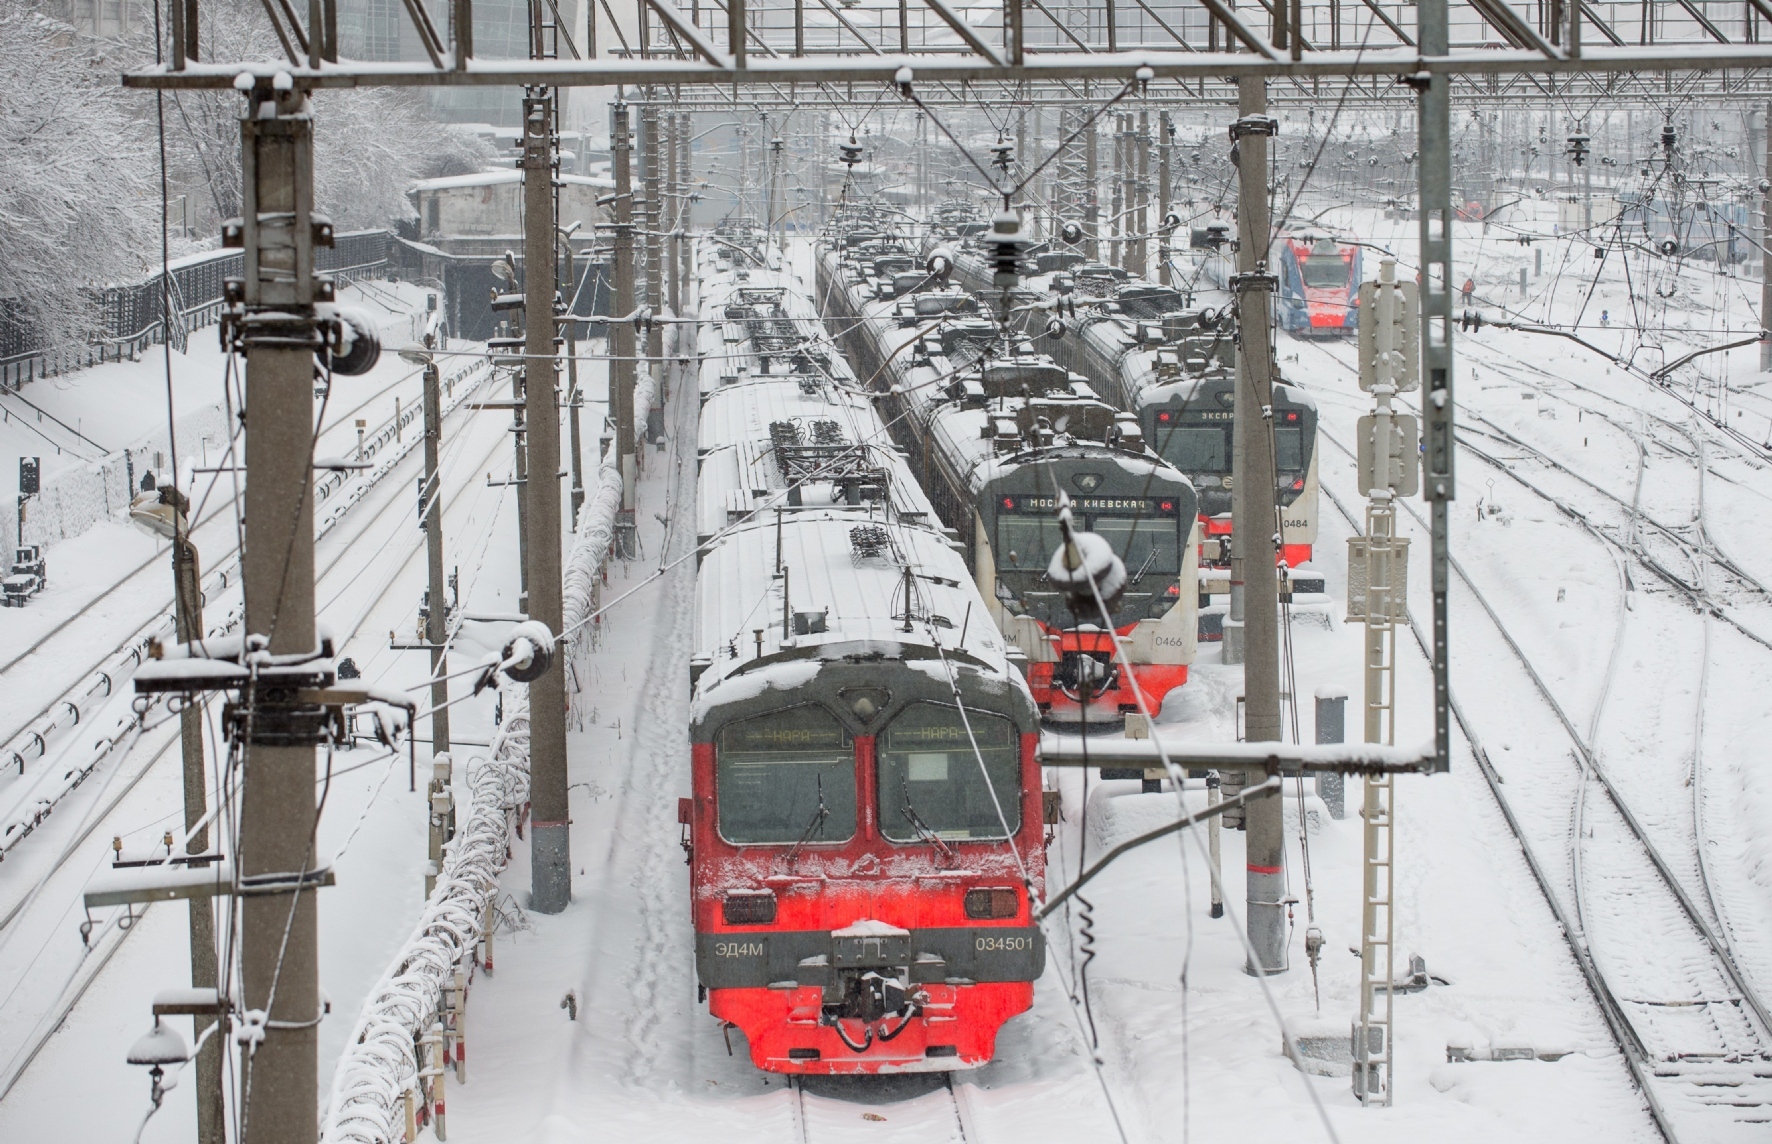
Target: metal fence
x,y
131,314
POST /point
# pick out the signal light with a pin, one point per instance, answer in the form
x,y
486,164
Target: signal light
x,y
991,903
1167,506
1298,484
1008,502
1292,415
1163,416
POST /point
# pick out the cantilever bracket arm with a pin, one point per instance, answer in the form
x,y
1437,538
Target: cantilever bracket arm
x,y
686,28
1270,785
1229,18
966,32
1657,375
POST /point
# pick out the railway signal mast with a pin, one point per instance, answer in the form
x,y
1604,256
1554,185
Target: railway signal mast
x,y
1378,565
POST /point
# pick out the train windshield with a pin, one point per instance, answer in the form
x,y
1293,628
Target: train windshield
x,y
1195,450
1288,450
1148,544
931,784
1324,271
786,776
1026,543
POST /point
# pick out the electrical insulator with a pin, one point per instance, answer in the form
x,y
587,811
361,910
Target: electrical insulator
x,y
1668,137
355,346
1071,232
529,652
1007,246
1578,149
849,153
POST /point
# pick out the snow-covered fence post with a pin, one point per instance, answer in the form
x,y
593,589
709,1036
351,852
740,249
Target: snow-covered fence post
x,y
372,1087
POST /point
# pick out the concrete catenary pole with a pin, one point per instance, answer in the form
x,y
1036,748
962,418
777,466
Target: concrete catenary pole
x,y
550,870
278,941
187,576
1092,188
1117,196
1141,223
1252,550
1166,235
673,201
621,333
1765,246
437,611
650,167
574,395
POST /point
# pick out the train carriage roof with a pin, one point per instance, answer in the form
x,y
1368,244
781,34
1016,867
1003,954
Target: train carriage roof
x,y
838,434
847,582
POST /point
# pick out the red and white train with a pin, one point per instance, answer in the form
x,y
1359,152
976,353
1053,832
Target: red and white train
x,y
996,430
866,824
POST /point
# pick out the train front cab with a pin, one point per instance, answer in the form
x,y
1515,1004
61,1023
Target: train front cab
x,y
858,908
1192,431
1319,287
1151,523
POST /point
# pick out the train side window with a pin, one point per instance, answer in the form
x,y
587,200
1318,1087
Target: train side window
x,y
930,782
774,773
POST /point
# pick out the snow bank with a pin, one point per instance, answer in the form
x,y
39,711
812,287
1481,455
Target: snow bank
x,y
379,1064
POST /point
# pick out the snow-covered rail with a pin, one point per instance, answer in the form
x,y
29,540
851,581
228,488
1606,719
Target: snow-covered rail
x,y
938,1114
1692,1029
401,1018
24,806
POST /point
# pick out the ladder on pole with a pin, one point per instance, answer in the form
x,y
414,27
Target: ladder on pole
x,y
1386,573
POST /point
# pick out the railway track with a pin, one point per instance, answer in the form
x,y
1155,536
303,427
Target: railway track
x,y
112,933
22,805
1693,1031
919,1108
225,560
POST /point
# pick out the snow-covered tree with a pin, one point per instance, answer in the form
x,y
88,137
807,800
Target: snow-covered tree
x,y
78,194
370,144
79,159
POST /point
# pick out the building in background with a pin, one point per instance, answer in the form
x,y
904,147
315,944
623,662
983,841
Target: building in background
x,y
381,30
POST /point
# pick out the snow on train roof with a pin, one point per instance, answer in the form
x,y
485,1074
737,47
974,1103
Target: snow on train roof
x,y
959,430
740,472
727,350
860,598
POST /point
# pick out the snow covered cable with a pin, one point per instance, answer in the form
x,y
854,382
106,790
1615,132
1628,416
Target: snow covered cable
x,y
596,529
378,1064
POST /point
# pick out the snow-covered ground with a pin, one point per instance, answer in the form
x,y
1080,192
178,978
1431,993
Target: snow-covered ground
x,y
1586,474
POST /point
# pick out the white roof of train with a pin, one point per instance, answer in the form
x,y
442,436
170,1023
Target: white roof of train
x,y
739,471
861,598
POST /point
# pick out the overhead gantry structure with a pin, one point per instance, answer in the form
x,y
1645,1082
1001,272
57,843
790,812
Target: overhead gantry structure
x,y
801,52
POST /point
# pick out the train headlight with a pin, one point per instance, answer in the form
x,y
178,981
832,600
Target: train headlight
x,y
748,908
990,903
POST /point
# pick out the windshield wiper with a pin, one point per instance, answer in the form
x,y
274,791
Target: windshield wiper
x,y
818,820
1149,557
922,828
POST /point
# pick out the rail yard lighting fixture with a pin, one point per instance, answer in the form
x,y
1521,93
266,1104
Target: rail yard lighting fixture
x,y
157,1048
